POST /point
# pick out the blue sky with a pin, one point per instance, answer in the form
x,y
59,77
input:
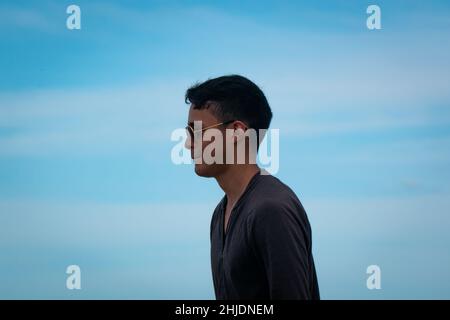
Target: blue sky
x,y
86,115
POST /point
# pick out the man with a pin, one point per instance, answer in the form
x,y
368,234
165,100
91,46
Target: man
x,y
260,234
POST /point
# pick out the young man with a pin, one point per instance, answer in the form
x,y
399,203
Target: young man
x,y
260,234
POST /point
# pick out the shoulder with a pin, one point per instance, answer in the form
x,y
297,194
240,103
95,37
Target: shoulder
x,y
276,203
270,210
273,188
272,195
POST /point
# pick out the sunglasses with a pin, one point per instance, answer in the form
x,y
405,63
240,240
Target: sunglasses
x,y
192,133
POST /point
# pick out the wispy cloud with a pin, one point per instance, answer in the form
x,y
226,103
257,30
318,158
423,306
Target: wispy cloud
x,y
91,121
23,18
124,251
152,241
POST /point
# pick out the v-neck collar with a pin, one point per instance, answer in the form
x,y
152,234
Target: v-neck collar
x,y
236,205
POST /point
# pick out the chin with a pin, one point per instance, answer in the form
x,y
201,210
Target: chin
x,y
202,170
207,170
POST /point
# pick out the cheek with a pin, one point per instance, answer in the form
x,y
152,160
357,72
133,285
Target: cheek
x,y
215,149
228,148
197,148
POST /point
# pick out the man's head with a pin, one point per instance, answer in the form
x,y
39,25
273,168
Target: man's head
x,y
228,102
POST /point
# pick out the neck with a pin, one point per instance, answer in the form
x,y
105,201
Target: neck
x,y
235,179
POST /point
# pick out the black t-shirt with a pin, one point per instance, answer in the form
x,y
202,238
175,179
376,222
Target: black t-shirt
x,y
266,251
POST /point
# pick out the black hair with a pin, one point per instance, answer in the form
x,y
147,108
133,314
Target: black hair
x,y
232,97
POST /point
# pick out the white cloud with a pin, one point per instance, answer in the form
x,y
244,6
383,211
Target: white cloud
x,y
384,82
91,121
106,225
115,119
23,18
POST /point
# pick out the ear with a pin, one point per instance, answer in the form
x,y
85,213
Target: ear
x,y
239,130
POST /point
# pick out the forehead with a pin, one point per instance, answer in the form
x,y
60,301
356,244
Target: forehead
x,y
204,115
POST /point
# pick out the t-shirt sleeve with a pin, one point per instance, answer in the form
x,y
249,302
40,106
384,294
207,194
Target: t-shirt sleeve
x,y
279,237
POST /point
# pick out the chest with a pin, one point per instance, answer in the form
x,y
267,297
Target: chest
x,y
227,215
230,238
